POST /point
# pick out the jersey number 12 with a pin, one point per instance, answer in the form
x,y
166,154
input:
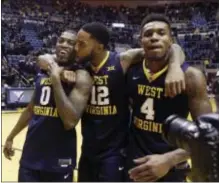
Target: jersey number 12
x,y
99,95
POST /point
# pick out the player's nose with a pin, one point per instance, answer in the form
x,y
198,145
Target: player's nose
x,y
154,37
64,45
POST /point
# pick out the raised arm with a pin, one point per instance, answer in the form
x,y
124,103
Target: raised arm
x,y
175,80
130,57
133,56
44,60
70,108
197,92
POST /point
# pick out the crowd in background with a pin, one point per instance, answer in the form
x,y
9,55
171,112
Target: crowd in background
x,y
30,28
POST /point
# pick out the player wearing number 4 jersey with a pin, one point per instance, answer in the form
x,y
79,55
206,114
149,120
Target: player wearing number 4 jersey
x,y
49,152
106,119
149,157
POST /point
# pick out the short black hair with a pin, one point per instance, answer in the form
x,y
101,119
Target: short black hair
x,y
70,31
155,17
98,31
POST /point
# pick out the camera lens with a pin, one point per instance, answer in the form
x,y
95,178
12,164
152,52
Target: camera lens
x,y
178,131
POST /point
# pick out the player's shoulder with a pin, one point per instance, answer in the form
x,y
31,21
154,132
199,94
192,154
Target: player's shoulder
x,y
113,60
193,73
113,55
195,80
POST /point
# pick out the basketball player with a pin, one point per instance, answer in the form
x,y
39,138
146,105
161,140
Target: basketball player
x,y
105,121
149,157
49,152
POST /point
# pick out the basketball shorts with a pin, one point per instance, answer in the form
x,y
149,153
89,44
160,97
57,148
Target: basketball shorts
x,y
110,169
30,175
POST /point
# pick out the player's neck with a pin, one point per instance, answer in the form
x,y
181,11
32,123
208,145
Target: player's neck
x,y
97,59
156,66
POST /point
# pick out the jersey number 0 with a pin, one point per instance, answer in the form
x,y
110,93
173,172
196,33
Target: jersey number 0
x,y
45,95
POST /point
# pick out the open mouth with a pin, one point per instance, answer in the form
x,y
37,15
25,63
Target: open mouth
x,y
155,47
63,53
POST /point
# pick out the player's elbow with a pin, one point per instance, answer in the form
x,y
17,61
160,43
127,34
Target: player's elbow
x,y
69,125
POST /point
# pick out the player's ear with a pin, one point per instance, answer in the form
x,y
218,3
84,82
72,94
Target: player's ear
x,y
99,47
172,40
140,39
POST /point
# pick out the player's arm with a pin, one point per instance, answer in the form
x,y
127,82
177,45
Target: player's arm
x,y
23,119
70,108
175,80
197,92
159,165
44,60
199,104
134,56
20,125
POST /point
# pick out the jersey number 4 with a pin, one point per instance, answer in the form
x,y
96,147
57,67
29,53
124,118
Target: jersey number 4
x,y
147,108
45,95
100,95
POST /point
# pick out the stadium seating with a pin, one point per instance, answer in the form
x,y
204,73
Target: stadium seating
x,y
28,27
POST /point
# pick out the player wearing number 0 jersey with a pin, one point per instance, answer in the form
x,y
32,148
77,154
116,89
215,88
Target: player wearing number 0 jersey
x,y
49,151
106,119
149,157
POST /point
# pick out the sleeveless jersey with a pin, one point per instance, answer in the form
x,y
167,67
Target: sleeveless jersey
x,y
150,109
48,146
106,118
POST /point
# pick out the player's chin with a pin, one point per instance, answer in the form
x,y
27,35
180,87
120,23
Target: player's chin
x,y
62,60
155,56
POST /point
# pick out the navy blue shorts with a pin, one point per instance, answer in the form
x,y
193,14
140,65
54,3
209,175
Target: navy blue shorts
x,y
30,175
109,169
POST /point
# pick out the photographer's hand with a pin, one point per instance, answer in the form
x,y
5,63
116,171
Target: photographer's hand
x,y
150,168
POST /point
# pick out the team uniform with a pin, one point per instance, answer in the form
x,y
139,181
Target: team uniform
x,y
150,109
49,152
105,124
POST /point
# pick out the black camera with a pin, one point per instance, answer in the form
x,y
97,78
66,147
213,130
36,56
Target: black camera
x,y
201,139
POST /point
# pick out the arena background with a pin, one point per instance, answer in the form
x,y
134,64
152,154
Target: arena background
x,y
31,27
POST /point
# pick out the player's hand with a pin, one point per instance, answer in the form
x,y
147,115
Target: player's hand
x,y
54,70
44,61
68,76
174,82
8,150
150,168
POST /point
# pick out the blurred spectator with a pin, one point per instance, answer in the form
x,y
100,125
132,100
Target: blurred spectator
x,y
30,28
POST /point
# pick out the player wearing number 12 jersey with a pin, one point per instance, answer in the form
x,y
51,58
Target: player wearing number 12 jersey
x,y
105,121
149,157
49,152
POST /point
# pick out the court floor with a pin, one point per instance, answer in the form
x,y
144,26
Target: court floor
x,y
10,168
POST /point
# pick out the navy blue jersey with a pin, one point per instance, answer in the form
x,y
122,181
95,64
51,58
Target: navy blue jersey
x,y
105,121
150,109
48,146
